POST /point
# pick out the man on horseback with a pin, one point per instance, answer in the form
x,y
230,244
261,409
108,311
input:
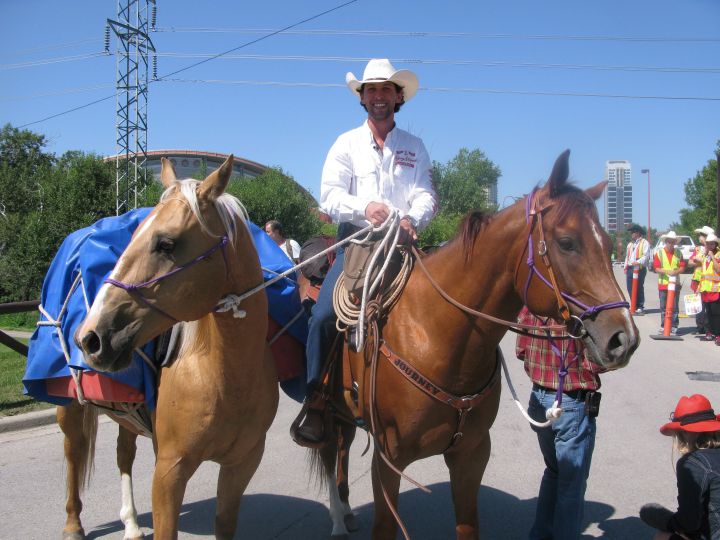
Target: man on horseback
x,y
368,172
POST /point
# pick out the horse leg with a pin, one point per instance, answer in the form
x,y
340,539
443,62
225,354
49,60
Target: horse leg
x,y
467,466
126,449
335,459
347,435
79,425
385,483
232,481
170,479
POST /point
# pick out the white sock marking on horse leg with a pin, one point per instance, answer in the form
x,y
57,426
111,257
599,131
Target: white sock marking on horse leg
x,y
337,508
128,513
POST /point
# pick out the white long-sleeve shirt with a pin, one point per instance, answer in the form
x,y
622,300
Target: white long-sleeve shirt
x,y
357,173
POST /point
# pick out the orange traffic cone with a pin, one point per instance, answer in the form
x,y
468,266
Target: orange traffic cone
x,y
633,295
669,304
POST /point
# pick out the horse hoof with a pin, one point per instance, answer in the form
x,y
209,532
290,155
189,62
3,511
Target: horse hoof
x,y
77,535
351,523
140,537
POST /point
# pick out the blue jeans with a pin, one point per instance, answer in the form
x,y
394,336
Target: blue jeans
x,y
641,285
321,326
663,302
567,448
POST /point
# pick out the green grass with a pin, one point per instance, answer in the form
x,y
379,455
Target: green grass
x,y
12,369
19,321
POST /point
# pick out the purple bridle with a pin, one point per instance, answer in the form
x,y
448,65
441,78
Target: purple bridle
x,y
532,216
135,287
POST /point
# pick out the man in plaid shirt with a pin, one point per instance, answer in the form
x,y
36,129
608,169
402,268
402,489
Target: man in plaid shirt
x,y
567,445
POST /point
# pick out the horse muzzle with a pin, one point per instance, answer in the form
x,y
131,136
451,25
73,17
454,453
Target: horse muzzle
x,y
104,350
612,345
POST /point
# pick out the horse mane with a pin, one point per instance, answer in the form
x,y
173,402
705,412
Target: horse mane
x,y
196,335
229,208
470,228
570,197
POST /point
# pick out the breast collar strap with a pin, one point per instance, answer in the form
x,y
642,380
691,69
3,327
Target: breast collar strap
x,y
463,404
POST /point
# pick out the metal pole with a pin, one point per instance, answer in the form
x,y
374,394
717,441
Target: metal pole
x,y
717,210
647,171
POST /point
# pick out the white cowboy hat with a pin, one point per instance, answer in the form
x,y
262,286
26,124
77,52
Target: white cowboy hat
x,y
705,230
711,238
671,235
380,70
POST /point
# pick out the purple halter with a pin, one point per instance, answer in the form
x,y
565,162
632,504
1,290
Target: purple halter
x,y
589,311
135,287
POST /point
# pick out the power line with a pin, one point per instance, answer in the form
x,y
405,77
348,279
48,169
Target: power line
x,y
48,61
49,47
57,92
459,62
451,90
195,64
264,37
421,34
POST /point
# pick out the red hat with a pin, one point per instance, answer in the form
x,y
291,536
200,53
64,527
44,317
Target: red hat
x,y
694,414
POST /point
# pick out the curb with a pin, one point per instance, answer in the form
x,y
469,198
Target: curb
x,y
27,420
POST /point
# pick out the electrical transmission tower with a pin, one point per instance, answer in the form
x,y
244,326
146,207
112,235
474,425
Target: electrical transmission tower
x,y
134,42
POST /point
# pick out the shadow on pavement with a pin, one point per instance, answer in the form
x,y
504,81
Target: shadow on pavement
x,y
502,516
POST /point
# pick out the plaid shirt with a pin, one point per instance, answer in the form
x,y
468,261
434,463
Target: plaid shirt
x,y
542,364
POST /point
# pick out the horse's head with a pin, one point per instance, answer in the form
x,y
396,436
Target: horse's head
x,y
174,269
573,277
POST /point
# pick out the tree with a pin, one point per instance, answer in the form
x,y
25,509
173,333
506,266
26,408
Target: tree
x,y
462,185
701,195
275,195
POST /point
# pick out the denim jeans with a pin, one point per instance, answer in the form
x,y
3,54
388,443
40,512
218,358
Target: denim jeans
x,y
641,285
663,300
321,326
567,448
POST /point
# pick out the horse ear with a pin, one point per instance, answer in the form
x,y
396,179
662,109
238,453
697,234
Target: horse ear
x,y
559,174
167,172
216,182
596,191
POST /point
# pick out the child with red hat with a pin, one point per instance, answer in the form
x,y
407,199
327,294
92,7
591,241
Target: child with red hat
x,y
696,432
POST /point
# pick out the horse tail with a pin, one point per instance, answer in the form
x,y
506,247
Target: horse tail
x,y
89,431
322,464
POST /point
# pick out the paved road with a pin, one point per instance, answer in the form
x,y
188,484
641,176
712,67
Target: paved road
x,y
632,465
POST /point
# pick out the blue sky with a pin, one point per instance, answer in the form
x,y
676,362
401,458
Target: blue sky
x,y
509,78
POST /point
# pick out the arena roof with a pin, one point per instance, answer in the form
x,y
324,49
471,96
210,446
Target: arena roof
x,y
187,163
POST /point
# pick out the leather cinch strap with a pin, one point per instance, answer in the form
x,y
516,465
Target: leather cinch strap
x,y
463,404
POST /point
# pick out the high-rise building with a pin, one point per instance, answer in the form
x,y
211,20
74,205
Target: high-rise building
x,y
491,194
618,195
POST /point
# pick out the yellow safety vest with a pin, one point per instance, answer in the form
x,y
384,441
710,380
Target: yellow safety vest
x,y
697,274
710,281
664,279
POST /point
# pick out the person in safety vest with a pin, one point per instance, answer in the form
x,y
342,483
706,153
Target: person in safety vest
x,y
668,262
369,172
710,287
696,262
636,255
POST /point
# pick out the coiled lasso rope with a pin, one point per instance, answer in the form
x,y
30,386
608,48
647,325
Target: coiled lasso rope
x,y
351,315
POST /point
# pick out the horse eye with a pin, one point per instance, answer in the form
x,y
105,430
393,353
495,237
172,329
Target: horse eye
x,y
165,245
566,244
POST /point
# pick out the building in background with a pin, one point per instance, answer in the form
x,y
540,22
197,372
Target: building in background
x,y
491,194
618,196
189,163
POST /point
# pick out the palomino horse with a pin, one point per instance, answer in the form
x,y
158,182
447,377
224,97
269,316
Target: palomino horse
x,y
218,398
547,251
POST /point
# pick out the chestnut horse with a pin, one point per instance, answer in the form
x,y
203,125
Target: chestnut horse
x,y
547,251
218,398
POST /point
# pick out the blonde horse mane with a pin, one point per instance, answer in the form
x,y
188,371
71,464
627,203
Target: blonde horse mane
x,y
195,334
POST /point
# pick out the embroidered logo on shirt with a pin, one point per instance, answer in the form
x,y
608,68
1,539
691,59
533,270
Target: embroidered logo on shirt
x,y
405,158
